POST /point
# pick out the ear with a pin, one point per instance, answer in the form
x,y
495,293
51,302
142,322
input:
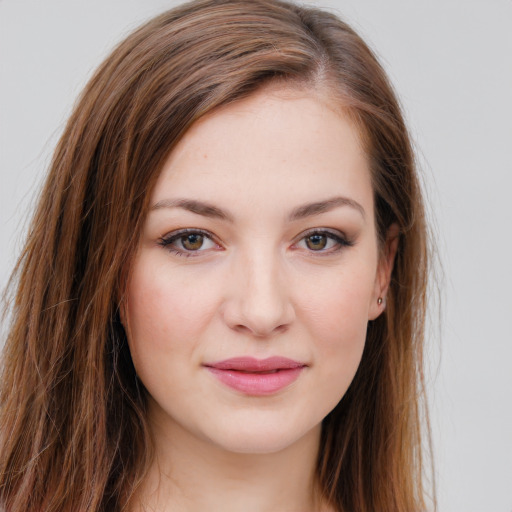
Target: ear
x,y
384,271
122,312
121,308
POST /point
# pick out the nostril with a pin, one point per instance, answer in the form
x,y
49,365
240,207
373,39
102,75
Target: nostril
x,y
260,307
260,333
241,328
282,328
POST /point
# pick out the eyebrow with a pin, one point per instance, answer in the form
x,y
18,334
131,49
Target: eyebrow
x,y
307,210
199,207
318,207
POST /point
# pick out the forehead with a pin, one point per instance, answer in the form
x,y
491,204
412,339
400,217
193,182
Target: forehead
x,y
278,147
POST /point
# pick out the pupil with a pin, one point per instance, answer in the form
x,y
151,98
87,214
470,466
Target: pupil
x,y
192,242
316,242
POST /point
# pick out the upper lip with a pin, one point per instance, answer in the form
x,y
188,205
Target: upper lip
x,y
251,364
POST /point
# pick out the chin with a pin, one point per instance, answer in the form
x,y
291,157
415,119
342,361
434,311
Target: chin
x,y
261,439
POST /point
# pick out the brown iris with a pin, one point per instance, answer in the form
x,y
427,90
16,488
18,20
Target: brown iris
x,y
316,242
192,242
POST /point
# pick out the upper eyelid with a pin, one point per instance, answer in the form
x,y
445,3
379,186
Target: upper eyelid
x,y
339,237
180,232
322,231
202,231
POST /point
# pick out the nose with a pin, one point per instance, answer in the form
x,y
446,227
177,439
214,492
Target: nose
x,y
258,302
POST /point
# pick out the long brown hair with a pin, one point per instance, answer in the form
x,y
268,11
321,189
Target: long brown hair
x,y
73,432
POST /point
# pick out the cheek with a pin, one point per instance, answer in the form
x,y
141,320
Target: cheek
x,y
165,311
336,315
339,302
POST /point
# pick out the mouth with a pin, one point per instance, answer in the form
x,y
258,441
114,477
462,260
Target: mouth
x,y
256,377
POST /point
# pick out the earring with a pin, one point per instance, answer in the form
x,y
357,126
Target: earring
x,y
379,301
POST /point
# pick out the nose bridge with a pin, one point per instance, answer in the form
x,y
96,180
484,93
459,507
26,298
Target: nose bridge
x,y
261,302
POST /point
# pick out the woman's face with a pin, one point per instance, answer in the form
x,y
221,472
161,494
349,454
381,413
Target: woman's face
x,y
258,270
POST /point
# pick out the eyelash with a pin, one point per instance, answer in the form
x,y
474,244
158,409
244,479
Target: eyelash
x,y
339,238
168,240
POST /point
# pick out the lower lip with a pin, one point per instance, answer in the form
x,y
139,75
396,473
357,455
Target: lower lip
x,y
257,384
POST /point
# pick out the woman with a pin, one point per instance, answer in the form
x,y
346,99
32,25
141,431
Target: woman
x,y
220,303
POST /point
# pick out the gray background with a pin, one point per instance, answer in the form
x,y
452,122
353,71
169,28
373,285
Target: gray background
x,y
451,63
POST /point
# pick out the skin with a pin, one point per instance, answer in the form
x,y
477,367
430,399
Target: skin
x,y
254,288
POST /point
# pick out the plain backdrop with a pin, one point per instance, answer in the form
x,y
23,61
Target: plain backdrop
x,y
451,63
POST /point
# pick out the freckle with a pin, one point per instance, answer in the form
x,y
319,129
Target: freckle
x,y
205,156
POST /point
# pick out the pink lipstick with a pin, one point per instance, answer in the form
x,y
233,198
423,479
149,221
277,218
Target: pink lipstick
x,y
256,376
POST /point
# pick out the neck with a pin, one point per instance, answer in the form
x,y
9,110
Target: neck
x,y
192,474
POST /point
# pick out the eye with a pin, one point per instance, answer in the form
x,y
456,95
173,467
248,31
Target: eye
x,y
323,241
186,242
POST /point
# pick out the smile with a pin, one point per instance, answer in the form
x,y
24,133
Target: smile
x,y
257,377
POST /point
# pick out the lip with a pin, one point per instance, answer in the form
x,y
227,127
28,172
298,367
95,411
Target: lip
x,y
256,377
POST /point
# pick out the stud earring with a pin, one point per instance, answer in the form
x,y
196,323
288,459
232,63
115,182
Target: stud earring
x,y
379,301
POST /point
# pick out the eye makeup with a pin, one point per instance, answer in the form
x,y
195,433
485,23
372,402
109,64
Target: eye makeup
x,y
322,241
194,241
189,242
